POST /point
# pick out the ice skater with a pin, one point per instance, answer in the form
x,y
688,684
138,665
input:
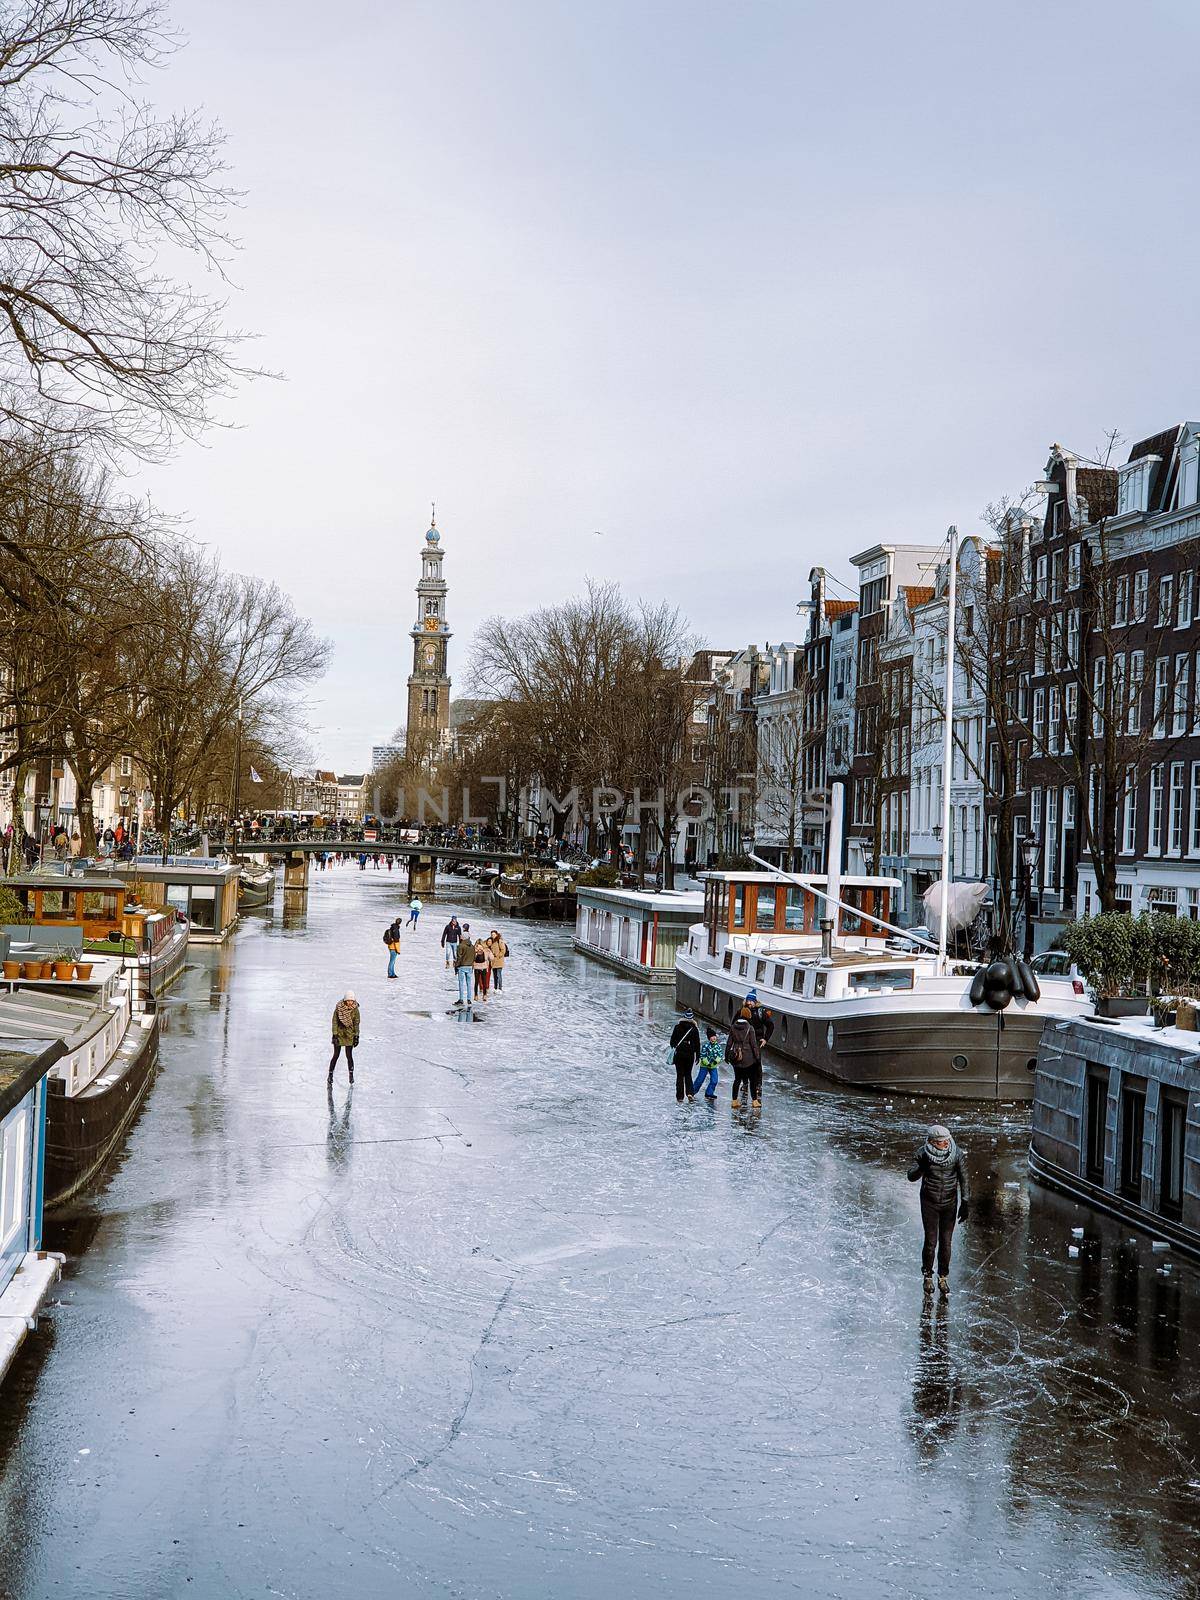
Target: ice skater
x,y
941,1168
710,1064
744,1055
346,1021
391,938
414,911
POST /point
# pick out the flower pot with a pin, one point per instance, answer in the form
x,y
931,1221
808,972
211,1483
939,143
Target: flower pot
x,y
12,969
83,970
64,971
1187,1017
32,969
1123,1005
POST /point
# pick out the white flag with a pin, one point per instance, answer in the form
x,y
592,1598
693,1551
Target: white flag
x,y
254,777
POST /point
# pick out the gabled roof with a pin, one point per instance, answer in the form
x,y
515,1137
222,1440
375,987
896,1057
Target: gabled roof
x,y
840,608
352,780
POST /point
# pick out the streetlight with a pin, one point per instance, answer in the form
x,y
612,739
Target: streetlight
x,y
1030,849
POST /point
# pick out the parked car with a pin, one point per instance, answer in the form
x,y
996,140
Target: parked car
x,y
1055,964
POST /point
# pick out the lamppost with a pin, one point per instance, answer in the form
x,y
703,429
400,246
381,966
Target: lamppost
x,y
1030,849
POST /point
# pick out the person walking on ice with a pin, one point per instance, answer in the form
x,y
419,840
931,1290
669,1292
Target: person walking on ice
x,y
346,1021
710,1063
941,1168
744,1055
391,938
451,934
685,1050
414,911
464,966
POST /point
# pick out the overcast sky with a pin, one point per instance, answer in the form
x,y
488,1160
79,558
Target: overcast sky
x,y
745,287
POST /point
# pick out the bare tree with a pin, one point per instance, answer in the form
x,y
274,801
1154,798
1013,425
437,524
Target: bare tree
x,y
98,341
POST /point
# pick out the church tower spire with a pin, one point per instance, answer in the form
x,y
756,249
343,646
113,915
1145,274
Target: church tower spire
x,y
429,681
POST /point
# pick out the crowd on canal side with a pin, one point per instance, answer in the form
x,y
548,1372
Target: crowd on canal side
x,y
478,964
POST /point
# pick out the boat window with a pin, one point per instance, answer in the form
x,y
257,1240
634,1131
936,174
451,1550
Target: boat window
x,y
739,905
1172,1122
886,981
798,981
204,905
743,966
778,979
760,972
1096,1123
57,904
728,961
820,982
1133,1127
793,910
100,904
764,913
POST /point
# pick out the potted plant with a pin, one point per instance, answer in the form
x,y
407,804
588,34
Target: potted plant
x,y
12,969
33,970
1114,952
83,970
1163,1011
62,963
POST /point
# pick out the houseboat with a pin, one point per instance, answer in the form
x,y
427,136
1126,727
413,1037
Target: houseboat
x,y
109,1044
850,1005
202,889
637,931
256,884
533,890
27,1272
91,911
1116,1123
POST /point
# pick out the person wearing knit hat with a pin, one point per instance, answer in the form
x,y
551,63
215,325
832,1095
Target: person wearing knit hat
x,y
941,1168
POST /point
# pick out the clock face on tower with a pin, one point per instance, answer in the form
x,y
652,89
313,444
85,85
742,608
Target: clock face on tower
x,y
432,624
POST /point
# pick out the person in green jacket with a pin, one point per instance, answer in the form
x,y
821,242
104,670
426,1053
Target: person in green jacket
x,y
710,1065
346,1021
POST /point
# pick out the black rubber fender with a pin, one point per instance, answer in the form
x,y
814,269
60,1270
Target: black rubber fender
x,y
1027,978
978,984
999,981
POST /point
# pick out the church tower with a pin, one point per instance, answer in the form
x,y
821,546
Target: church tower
x,y
429,681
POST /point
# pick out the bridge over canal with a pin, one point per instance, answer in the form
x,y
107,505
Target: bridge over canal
x,y
422,859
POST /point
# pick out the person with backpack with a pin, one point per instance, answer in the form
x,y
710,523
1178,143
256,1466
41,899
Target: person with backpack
x,y
941,1167
451,934
464,965
744,1055
685,1051
391,938
710,1063
500,954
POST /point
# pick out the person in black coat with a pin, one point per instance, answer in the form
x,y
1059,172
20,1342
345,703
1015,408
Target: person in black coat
x,y
685,1042
941,1168
744,1054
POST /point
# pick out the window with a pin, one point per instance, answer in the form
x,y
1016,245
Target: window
x,y
1039,716
1172,1121
127,766
1073,638
1193,905
1096,1120
880,982
1053,719
1039,585
1195,844
1056,575
1180,700
764,910
1050,848
1154,843
1162,673
1133,1126
1166,600
1074,566
1183,603
1141,593
1137,677
793,910
1071,710
739,905
1129,817
14,1150
1023,696
1098,674
1175,810
1121,603
1119,689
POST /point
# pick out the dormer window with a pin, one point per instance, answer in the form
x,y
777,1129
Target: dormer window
x,y
1133,484
1058,515
1189,472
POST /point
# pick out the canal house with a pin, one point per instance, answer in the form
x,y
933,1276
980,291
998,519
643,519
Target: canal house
x,y
638,931
1116,1122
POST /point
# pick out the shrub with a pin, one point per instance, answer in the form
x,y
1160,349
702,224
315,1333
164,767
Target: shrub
x,y
12,912
605,876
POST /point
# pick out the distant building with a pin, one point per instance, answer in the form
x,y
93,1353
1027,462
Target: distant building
x,y
382,755
351,799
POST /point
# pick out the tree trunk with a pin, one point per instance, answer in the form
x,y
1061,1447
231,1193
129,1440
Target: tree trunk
x,y
87,820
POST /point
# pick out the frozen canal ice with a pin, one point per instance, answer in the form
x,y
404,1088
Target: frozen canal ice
x,y
513,1323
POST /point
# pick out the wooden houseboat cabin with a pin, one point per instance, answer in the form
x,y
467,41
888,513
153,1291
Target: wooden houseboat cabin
x,y
748,903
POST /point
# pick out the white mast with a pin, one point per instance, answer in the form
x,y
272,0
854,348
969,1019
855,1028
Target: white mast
x,y
947,746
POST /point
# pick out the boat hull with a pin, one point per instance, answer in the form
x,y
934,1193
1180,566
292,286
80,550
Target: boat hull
x,y
944,1053
83,1132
